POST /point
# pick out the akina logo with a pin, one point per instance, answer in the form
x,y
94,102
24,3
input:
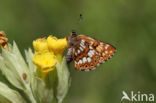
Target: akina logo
x,y
137,96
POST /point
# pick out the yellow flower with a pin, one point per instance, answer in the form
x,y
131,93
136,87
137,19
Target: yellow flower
x,y
40,45
48,52
57,46
45,61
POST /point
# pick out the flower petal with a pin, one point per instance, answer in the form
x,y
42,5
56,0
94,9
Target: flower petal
x,y
45,60
40,44
57,45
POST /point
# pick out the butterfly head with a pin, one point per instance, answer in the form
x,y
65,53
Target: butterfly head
x,y
72,39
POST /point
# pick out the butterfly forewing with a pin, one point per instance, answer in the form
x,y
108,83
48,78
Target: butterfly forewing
x,y
89,53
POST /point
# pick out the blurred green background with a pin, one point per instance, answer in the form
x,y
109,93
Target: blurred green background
x,y
129,25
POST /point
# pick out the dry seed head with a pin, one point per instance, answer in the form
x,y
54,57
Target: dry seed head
x,y
3,40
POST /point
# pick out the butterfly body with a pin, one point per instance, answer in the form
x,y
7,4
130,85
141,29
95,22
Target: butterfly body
x,y
87,53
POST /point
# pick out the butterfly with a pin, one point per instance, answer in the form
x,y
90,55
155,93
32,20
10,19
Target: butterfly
x,y
87,53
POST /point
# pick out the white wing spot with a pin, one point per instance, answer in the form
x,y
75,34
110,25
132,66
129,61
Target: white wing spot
x,y
96,52
106,46
81,48
90,47
76,54
84,59
111,51
82,41
80,62
78,51
103,54
106,52
92,51
82,45
89,59
75,62
90,55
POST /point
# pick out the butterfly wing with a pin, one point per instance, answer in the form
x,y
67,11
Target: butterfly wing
x,y
69,55
106,51
89,53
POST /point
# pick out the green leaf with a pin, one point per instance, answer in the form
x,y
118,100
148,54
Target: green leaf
x,y
12,77
41,92
29,57
16,70
32,68
14,64
63,80
8,95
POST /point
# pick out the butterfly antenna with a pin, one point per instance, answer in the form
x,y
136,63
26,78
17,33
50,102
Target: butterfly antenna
x,y
78,24
80,19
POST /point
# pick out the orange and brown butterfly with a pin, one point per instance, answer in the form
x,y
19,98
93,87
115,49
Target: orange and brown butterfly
x,y
86,52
